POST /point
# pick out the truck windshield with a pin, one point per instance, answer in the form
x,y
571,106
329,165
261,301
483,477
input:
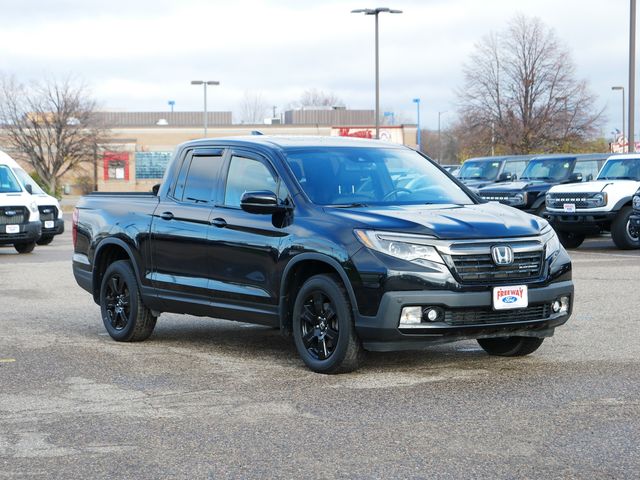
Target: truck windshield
x,y
8,182
548,169
352,176
621,169
479,170
25,180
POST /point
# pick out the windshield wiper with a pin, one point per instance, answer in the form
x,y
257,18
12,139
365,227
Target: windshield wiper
x,y
350,205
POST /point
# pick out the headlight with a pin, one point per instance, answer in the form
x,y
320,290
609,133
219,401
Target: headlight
x,y
519,199
412,248
597,200
636,202
551,241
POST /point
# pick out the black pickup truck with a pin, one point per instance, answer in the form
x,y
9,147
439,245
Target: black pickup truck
x,y
312,236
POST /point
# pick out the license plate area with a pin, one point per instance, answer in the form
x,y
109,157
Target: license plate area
x,y
48,224
510,298
13,229
569,207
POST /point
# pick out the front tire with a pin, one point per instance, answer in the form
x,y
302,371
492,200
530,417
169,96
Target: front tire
x,y
622,233
45,240
125,317
570,239
24,247
510,346
323,328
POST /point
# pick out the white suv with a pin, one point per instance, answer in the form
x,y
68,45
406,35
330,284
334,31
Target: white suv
x,y
48,206
604,205
19,217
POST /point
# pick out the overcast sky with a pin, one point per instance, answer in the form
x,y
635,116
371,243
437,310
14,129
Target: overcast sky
x,y
138,54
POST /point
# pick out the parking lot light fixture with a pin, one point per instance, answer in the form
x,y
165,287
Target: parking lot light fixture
x,y
375,12
205,83
418,136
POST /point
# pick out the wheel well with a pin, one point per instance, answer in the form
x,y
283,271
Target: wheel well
x,y
296,277
106,256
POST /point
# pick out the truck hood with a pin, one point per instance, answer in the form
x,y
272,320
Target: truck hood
x,y
16,199
625,187
451,222
518,186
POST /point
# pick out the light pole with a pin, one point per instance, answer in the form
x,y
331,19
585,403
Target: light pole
x,y
171,104
376,12
418,136
623,125
632,77
440,144
205,83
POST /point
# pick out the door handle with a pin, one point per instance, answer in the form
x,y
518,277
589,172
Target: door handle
x,y
166,216
219,222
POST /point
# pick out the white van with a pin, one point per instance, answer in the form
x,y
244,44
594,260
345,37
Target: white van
x,y
20,224
48,206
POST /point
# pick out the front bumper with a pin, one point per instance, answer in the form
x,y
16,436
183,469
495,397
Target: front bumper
x,y
28,232
57,229
382,333
587,223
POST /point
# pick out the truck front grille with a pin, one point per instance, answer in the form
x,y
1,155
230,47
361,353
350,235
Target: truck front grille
x,y
484,316
557,200
480,268
13,215
48,212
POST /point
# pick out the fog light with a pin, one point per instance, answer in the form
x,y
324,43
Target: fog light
x,y
411,316
564,304
432,314
555,306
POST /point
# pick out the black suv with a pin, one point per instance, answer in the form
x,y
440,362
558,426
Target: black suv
x,y
542,173
482,171
315,236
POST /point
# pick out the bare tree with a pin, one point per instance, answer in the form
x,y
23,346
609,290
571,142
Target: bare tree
x,y
318,98
521,95
253,108
52,123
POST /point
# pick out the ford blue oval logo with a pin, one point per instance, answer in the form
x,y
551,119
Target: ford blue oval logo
x,y
10,213
510,299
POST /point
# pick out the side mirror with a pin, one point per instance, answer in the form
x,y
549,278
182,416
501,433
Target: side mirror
x,y
262,202
155,189
29,188
505,177
575,177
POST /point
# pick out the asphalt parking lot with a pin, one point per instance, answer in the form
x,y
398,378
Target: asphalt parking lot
x,y
213,399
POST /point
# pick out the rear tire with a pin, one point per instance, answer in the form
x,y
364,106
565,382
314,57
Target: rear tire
x,y
571,239
510,346
24,247
125,317
323,328
45,240
621,232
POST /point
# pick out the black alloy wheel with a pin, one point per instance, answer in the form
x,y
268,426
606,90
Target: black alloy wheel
x,y
125,317
319,324
118,302
323,327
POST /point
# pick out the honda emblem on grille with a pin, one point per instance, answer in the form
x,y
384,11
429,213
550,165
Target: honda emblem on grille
x,y
502,254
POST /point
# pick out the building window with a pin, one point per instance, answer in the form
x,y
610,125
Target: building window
x,y
151,164
116,166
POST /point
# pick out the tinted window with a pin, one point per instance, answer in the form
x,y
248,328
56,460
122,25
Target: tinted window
x,y
376,176
588,169
548,169
516,167
200,180
622,169
479,170
8,183
246,175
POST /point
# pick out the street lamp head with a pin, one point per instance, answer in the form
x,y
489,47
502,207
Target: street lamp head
x,y
416,100
375,11
196,82
213,82
617,88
